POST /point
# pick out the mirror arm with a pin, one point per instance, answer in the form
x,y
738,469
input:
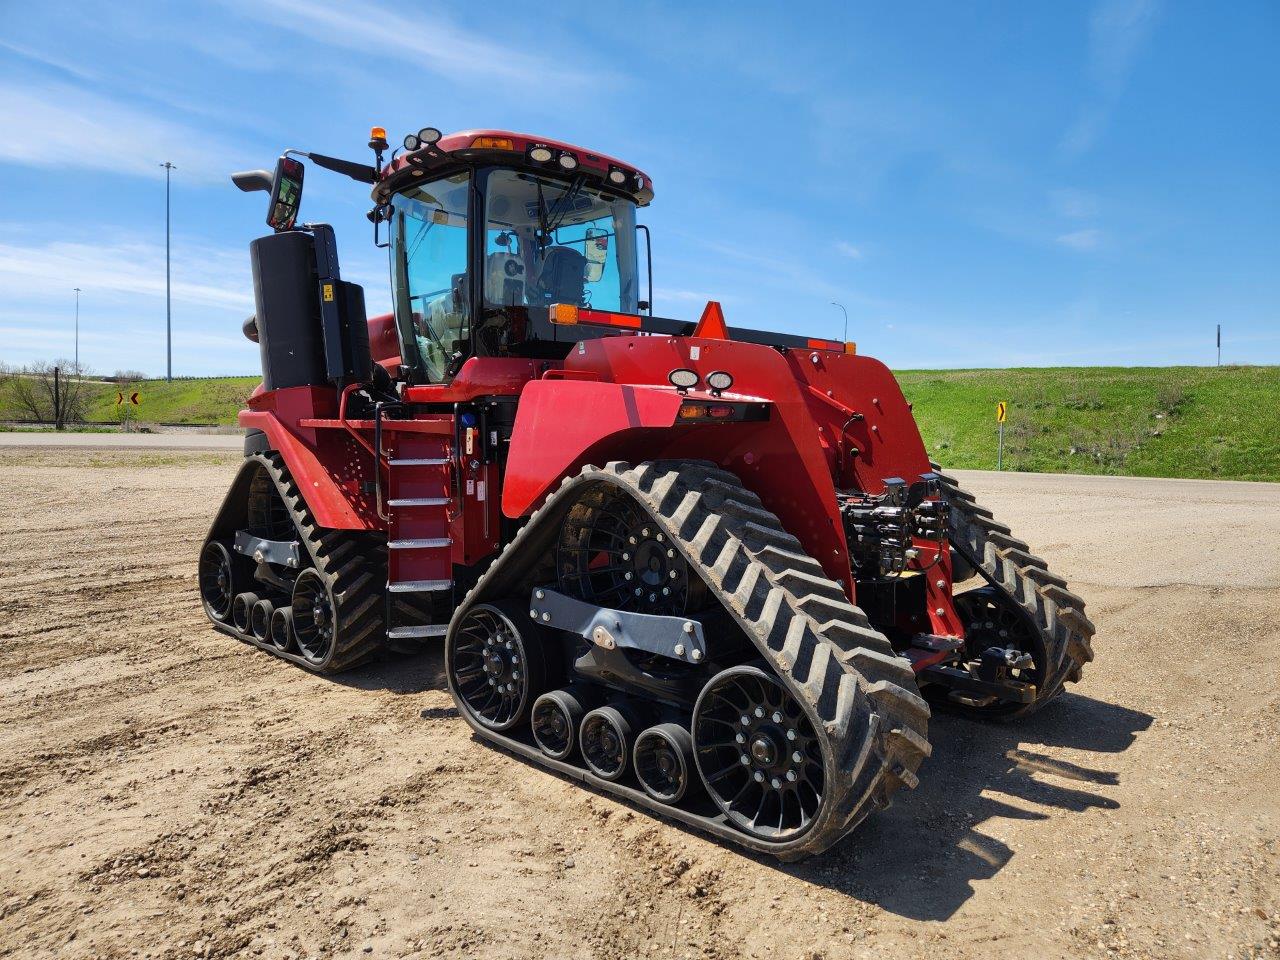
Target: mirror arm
x,y
360,172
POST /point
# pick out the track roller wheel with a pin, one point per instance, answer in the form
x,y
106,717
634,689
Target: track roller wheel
x,y
663,759
282,628
260,620
605,735
759,755
555,719
216,573
242,611
491,667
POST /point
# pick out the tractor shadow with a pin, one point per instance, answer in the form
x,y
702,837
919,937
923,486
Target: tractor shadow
x,y
921,858
401,673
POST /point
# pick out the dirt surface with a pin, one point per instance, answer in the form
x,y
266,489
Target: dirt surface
x,y
166,791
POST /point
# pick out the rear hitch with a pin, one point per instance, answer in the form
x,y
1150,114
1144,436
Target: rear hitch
x,y
991,679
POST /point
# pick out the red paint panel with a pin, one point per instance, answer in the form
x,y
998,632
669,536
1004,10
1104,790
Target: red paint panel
x,y
562,424
479,377
781,459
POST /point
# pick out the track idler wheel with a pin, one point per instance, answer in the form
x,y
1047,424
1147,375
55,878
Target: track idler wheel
x,y
555,719
217,576
242,611
605,736
663,760
314,615
758,753
260,620
493,668
281,636
993,620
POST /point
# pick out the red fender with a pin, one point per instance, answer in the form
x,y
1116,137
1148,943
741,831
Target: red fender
x,y
320,461
563,424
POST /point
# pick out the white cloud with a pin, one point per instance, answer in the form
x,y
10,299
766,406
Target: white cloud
x,y
1117,31
849,250
122,306
1081,239
1074,204
423,38
95,132
37,56
124,270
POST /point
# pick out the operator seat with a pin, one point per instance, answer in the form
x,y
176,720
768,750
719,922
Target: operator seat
x,y
562,277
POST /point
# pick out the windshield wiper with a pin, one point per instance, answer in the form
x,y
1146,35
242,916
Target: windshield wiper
x,y
563,205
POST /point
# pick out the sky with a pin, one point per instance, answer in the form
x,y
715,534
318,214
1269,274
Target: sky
x,y
1000,184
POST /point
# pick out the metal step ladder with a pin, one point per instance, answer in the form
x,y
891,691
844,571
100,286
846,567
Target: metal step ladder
x,y
419,547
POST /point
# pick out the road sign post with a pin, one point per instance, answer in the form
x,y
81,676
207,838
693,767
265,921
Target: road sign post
x,y
1002,409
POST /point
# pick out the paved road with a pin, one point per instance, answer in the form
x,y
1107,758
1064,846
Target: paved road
x,y
115,441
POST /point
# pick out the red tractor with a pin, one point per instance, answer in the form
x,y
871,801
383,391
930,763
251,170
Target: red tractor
x,y
708,570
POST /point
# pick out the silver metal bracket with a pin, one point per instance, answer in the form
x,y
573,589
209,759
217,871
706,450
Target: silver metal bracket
x,y
282,552
931,641
675,637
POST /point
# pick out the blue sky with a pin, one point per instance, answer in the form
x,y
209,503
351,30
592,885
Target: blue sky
x,y
980,185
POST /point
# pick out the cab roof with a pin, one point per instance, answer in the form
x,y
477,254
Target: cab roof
x,y
502,146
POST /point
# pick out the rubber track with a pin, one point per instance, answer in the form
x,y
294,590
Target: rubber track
x,y
353,564
1008,564
842,670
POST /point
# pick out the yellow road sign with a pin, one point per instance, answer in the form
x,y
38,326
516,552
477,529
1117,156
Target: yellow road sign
x,y
1002,408
119,399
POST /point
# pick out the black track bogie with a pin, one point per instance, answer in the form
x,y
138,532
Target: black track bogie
x,y
341,579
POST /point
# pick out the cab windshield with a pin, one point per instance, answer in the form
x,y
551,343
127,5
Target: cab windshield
x,y
429,274
557,241
545,241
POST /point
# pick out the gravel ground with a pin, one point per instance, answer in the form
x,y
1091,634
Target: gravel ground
x,y
166,791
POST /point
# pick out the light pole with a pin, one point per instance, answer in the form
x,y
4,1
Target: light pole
x,y
77,290
846,319
168,300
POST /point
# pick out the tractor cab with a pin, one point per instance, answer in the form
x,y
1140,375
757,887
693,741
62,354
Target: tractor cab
x,y
488,230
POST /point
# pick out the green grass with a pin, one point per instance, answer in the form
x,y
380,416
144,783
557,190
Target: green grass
x,y
213,400
1205,422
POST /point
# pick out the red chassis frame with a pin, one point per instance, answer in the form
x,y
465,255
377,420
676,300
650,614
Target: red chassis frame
x,y
834,420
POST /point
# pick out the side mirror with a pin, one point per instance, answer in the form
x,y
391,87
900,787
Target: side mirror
x,y
286,194
596,249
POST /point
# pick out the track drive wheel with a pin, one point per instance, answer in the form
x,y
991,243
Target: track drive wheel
x,y
758,753
494,665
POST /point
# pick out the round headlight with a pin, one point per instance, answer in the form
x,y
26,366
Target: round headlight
x,y
540,154
617,176
683,379
568,161
411,142
719,380
429,135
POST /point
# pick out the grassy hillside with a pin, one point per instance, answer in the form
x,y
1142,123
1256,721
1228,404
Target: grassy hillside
x,y
1143,421
213,400
1204,422
180,401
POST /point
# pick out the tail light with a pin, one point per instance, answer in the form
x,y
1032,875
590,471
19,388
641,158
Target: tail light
x,y
695,411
